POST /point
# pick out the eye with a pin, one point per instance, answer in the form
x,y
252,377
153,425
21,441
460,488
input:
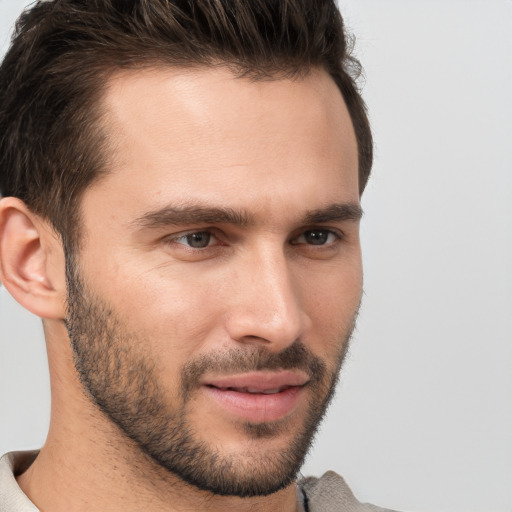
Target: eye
x,y
195,240
317,237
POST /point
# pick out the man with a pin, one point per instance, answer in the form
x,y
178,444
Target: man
x,y
181,185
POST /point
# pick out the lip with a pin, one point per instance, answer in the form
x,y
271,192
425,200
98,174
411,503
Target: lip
x,y
262,381
258,397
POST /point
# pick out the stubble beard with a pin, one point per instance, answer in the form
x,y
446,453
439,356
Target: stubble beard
x,y
121,380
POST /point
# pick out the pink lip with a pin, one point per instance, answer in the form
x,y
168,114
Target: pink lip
x,y
259,380
232,393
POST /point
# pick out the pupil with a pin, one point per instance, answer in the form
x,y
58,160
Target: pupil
x,y
199,240
316,237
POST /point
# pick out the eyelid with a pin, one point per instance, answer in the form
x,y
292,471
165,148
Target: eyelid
x,y
182,235
216,239
338,233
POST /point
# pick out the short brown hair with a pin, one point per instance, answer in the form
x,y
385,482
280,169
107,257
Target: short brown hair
x,y
63,52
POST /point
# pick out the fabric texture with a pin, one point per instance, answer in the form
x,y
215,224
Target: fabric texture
x,y
329,493
12,498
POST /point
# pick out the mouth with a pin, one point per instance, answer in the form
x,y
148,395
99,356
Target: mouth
x,y
257,397
254,391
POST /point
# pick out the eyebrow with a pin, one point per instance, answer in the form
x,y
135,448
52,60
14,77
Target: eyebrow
x,y
334,212
200,214
192,214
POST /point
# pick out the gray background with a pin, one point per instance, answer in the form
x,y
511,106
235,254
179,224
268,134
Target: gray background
x,y
423,417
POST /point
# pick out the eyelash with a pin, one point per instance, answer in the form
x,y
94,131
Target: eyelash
x,y
190,234
318,233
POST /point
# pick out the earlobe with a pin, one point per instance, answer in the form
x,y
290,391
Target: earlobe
x,y
31,260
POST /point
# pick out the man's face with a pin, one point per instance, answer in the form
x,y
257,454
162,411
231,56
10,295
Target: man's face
x,y
219,272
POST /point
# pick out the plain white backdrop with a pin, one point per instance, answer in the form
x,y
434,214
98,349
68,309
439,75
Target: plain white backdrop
x,y
423,416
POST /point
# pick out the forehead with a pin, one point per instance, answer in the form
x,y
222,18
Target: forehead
x,y
204,132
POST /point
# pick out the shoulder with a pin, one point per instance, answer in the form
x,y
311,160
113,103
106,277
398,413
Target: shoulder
x,y
12,498
330,493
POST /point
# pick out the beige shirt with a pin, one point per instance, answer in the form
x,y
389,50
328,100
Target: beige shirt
x,y
327,494
12,498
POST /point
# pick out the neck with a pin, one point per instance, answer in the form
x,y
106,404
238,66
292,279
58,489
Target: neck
x,y
81,469
88,464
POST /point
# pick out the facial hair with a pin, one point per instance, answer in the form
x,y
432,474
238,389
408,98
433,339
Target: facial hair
x,y
121,379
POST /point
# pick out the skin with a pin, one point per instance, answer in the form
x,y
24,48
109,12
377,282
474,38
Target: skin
x,y
273,150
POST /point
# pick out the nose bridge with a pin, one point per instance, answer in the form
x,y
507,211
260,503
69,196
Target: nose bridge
x,y
269,304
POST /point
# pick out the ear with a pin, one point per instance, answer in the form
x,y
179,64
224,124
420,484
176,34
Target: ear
x,y
31,260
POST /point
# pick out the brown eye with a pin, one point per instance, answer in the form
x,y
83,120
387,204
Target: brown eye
x,y
317,237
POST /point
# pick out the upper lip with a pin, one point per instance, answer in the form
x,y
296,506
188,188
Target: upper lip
x,y
259,380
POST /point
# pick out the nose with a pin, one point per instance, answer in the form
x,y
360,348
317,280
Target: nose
x,y
267,307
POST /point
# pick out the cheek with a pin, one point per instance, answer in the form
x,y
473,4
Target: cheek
x,y
177,313
174,324
331,298
171,312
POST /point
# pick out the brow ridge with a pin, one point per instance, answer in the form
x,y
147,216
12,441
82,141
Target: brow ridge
x,y
192,214
199,214
334,212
